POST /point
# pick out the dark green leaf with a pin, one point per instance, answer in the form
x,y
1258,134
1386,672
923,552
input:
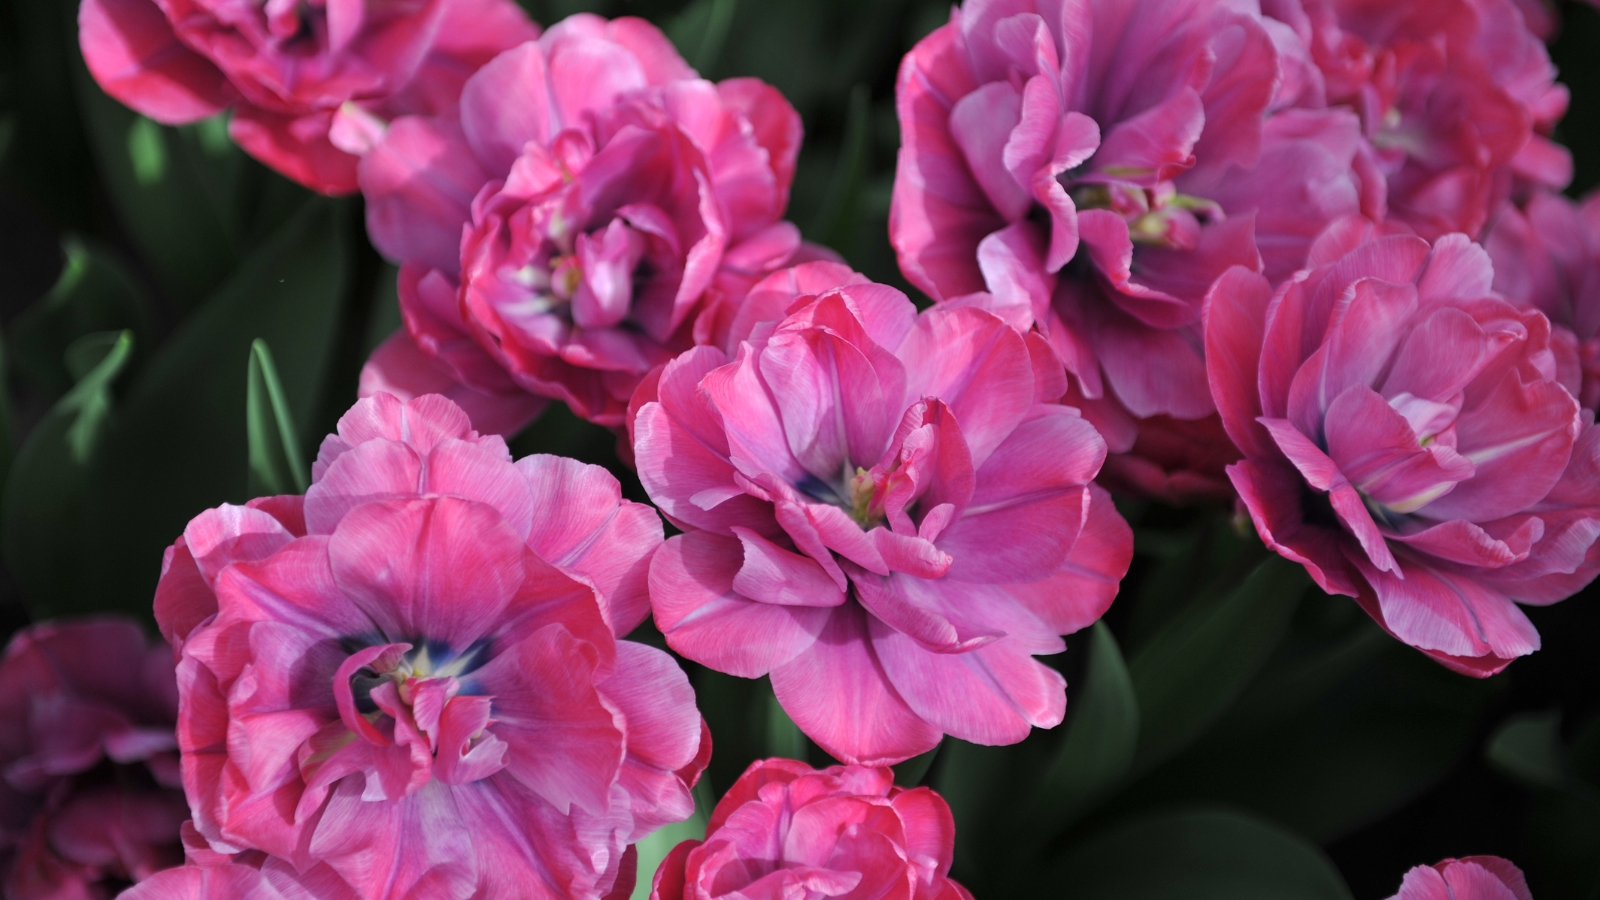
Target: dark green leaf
x,y
192,202
93,294
1331,735
172,451
835,222
1194,855
45,493
276,465
1527,747
1101,736
1196,665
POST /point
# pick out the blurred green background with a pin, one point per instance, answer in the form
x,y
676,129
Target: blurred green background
x,y
1231,733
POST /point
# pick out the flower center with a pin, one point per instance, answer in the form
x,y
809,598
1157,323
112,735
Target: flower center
x,y
1156,217
856,492
419,710
585,279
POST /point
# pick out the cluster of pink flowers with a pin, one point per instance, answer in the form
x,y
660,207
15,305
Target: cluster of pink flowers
x,y
1308,257
1248,240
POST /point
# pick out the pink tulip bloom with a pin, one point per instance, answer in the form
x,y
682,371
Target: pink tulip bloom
x,y
88,768
418,663
309,83
1406,439
1470,878
564,238
1457,98
785,830
1547,257
1089,169
879,512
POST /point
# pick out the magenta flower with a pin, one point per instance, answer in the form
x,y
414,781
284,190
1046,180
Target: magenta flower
x,y
1469,878
787,830
88,768
308,82
1407,441
561,242
880,513
1547,257
418,664
1457,98
1090,169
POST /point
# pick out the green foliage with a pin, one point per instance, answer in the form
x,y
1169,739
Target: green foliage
x,y
47,489
276,465
1194,855
1563,827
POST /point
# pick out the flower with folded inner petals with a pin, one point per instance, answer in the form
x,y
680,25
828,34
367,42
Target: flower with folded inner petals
x,y
596,207
878,511
1088,170
1406,439
418,663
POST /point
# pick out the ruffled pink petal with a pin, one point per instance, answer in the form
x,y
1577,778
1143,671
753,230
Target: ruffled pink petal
x,y
704,618
838,693
135,57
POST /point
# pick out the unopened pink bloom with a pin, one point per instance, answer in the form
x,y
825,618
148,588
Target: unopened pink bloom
x,y
1406,439
88,768
1457,98
1547,257
1469,878
787,830
880,513
563,239
309,83
1089,169
418,664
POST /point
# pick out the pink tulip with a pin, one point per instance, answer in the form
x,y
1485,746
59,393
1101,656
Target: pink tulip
x,y
1406,439
88,772
309,83
1547,257
1470,878
880,513
417,663
563,240
1089,169
785,830
1457,99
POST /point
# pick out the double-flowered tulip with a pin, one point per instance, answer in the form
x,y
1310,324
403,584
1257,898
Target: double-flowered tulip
x,y
308,82
412,676
785,830
1408,440
563,238
1457,99
1088,169
89,795
880,513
